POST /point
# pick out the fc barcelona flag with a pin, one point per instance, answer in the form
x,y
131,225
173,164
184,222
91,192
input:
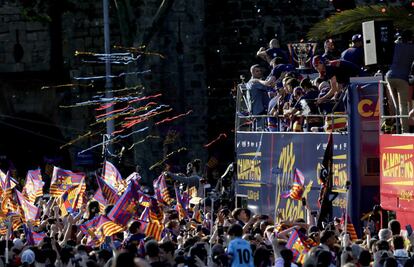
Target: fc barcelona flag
x,y
112,177
108,192
127,205
33,186
295,244
62,180
298,188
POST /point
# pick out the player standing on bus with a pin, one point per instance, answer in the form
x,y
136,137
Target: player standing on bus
x,y
239,250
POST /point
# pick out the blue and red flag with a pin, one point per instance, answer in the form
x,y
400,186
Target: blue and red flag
x,y
100,198
109,193
296,192
126,206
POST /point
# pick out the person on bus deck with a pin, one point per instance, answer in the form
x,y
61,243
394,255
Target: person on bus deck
x,y
276,106
338,72
257,95
331,53
272,52
279,69
306,105
355,53
398,77
296,122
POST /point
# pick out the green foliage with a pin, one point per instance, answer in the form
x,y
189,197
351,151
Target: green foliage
x,y
351,20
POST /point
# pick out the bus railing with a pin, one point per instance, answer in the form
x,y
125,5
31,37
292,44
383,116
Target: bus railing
x,y
395,119
253,119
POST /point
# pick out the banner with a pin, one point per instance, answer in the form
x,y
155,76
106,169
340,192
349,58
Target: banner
x,y
266,164
397,175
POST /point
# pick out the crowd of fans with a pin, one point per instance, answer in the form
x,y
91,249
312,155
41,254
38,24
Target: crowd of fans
x,y
196,232
295,102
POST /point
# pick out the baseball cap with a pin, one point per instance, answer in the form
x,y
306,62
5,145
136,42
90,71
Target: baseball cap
x,y
356,37
28,256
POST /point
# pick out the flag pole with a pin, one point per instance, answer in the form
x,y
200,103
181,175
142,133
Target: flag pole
x,y
6,250
348,184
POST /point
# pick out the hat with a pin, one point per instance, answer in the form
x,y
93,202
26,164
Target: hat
x,y
28,256
385,234
18,243
356,37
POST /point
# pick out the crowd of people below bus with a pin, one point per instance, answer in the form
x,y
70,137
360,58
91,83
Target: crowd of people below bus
x,y
294,102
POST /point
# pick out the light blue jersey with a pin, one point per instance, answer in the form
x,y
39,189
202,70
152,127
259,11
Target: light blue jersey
x,y
241,253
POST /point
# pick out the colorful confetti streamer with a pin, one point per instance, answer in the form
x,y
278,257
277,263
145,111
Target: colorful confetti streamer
x,y
159,163
143,140
215,140
173,118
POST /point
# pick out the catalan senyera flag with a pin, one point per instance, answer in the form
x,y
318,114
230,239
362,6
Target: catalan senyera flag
x,y
62,180
98,228
126,206
112,177
33,186
156,212
298,188
153,229
7,183
109,193
28,211
350,228
108,227
161,190
180,206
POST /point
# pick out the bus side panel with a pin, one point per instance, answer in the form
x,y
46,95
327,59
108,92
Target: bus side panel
x,y
266,164
397,175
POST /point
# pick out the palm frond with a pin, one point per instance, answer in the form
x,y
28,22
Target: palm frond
x,y
351,20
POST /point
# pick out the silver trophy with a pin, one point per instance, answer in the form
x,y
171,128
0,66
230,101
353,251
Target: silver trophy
x,y
302,53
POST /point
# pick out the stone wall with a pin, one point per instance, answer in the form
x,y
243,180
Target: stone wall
x,y
180,77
